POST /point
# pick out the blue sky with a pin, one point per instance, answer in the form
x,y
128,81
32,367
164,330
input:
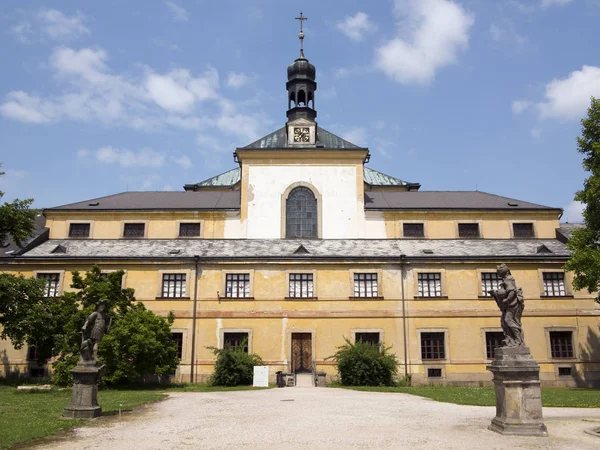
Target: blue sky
x,y
102,97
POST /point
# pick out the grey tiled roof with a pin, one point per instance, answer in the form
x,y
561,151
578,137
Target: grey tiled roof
x,y
240,249
210,200
10,249
278,140
445,200
232,177
563,233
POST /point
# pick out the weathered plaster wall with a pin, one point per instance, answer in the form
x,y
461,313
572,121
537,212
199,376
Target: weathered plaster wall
x,y
342,210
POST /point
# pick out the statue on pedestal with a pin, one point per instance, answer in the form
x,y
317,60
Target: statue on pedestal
x,y
509,299
516,375
87,373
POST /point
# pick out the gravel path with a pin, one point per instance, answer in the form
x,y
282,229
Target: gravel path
x,y
316,418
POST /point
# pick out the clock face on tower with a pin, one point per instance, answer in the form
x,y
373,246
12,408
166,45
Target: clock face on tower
x,y
301,134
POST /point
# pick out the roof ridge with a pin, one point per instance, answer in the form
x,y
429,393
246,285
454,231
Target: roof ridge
x,y
89,200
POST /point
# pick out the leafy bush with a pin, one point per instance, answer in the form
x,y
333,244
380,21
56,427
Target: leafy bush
x,y
234,367
363,364
138,345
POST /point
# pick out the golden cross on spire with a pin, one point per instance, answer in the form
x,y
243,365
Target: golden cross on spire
x,y
301,34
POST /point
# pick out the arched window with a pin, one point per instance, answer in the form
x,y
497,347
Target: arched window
x,y
301,100
301,215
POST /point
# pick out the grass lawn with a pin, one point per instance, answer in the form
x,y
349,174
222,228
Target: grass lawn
x,y
485,396
31,415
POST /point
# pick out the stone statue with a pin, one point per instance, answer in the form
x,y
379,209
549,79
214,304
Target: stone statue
x,y
93,330
87,373
510,301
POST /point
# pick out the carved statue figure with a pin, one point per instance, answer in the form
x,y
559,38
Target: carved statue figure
x,y
510,301
93,330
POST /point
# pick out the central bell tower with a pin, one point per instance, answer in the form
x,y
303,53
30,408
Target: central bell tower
x,y
301,87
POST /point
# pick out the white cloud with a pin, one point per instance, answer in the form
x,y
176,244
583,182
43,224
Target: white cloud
x,y
536,132
549,3
518,106
357,136
184,161
574,212
179,13
58,26
504,32
144,157
356,26
237,80
569,98
178,91
23,107
431,34
51,23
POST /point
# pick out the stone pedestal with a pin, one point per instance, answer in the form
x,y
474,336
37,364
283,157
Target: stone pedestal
x,y
518,393
84,397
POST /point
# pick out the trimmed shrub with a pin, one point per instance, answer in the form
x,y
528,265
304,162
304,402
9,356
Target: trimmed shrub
x,y
363,364
234,367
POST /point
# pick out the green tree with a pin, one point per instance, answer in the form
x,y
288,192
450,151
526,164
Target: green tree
x,y
17,219
138,345
29,318
585,242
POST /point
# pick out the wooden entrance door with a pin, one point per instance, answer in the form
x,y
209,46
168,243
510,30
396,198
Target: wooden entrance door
x,y
301,352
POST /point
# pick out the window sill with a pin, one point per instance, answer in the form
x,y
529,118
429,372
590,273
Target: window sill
x,y
421,297
79,237
236,298
377,297
433,361
302,298
557,296
172,298
188,237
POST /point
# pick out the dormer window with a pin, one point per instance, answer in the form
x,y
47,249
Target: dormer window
x,y
134,230
79,230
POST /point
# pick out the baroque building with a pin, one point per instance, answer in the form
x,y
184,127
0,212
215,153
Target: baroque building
x,y
302,245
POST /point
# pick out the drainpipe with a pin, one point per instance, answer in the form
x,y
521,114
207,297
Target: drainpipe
x,y
196,258
402,263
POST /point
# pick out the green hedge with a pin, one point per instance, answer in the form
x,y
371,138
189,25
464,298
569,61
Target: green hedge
x,y
234,367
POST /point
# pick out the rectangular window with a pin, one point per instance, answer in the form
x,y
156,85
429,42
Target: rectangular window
x,y
561,344
365,285
432,346
368,338
32,353
565,372
173,285
79,230
430,285
489,281
134,229
554,284
189,229
236,340
237,285
301,285
178,339
523,230
434,373
413,230
468,230
493,340
52,283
